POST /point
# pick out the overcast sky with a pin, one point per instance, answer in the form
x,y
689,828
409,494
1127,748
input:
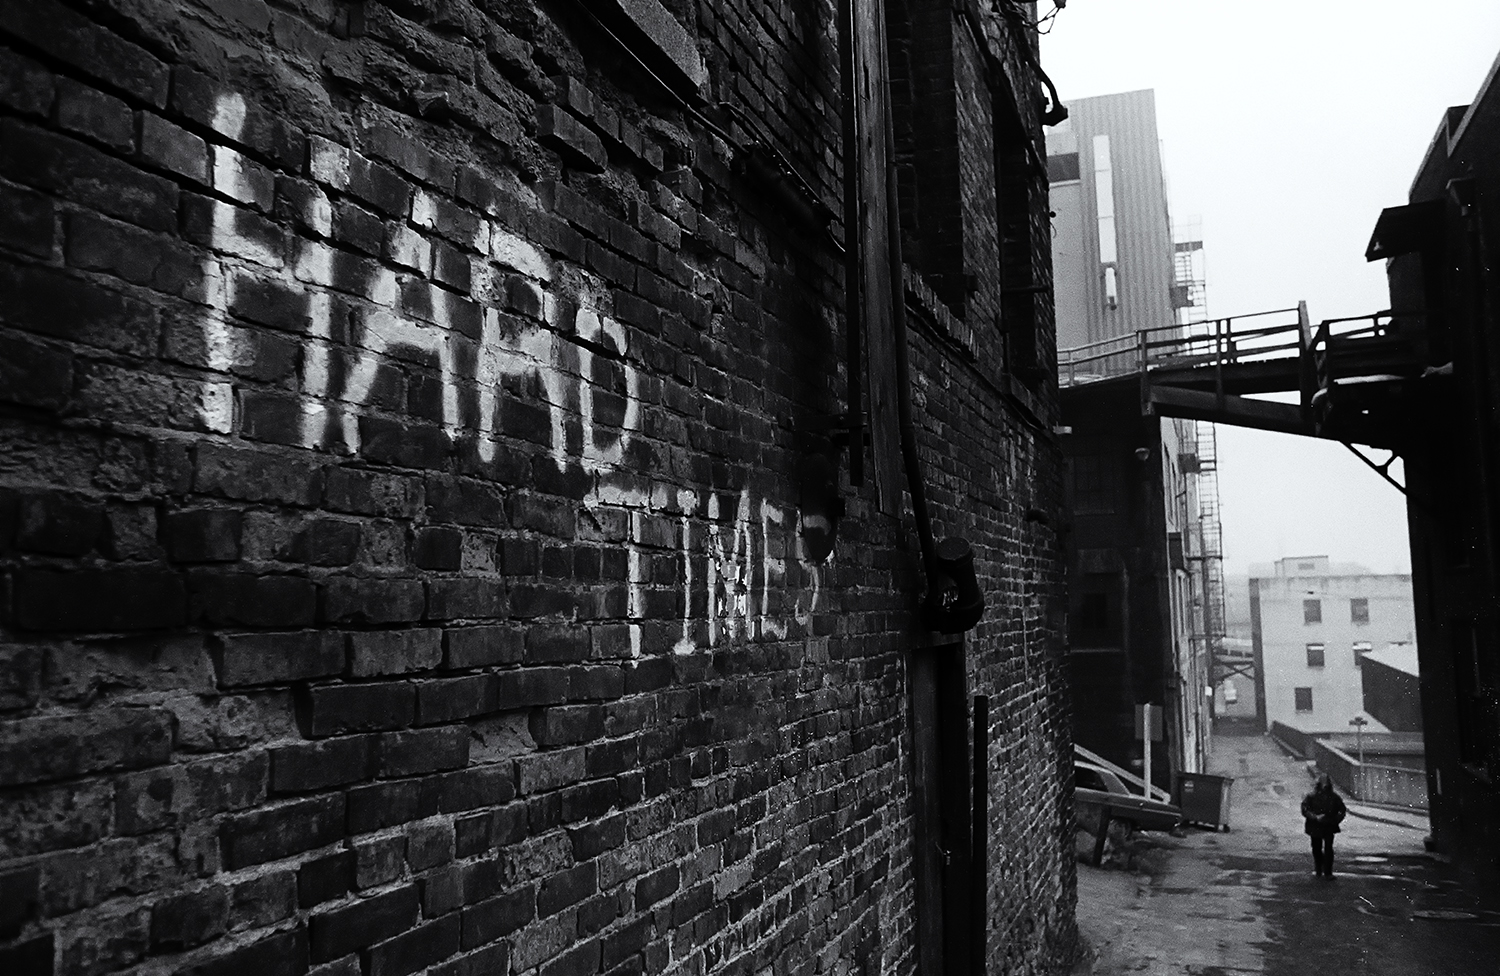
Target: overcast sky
x,y
1287,127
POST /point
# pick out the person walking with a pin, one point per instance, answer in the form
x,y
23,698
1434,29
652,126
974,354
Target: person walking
x,y
1323,811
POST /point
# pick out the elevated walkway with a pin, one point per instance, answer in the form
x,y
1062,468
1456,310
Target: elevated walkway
x,y
1346,377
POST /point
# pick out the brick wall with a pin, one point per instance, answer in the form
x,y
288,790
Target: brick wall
x,y
399,425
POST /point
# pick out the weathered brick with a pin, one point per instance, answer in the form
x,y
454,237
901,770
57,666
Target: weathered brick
x,y
477,786
378,861
325,878
379,186
581,960
659,884
455,699
372,601
550,770
417,949
270,833
464,502
139,257
557,645
474,647
246,600
253,659
387,804
189,919
470,597
428,845
25,85
529,687
423,751
327,542
438,547
82,173
51,302
281,954
380,652
256,476
331,709
205,535
372,493
494,918
94,115
36,750
57,524
310,766
262,900
70,37
337,931
172,148
567,725
30,226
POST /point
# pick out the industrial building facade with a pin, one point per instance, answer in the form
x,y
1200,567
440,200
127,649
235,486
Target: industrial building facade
x,y
1312,623
429,530
1440,254
1145,578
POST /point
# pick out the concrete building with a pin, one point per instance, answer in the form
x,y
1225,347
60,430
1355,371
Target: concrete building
x,y
430,538
1312,624
1145,567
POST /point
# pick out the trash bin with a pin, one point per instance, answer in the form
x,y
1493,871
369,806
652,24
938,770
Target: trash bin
x,y
1204,799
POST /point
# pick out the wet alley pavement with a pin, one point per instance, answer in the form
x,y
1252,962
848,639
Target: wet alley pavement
x,y
1246,901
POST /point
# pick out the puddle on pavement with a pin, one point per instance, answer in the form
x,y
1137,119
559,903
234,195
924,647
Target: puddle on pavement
x,y
1445,915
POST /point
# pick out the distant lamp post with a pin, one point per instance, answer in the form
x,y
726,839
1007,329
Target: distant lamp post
x,y
1359,722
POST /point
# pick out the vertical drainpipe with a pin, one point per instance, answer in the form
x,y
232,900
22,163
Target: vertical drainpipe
x,y
853,249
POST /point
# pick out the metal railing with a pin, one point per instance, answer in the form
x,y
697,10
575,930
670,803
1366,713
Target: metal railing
x,y
1234,339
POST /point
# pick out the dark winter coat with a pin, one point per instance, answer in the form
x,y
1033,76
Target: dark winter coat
x,y
1324,811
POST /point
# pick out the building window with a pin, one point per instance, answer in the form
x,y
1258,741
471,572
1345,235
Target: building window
x,y
1312,611
1304,699
1359,610
1315,655
1093,611
1093,484
1361,648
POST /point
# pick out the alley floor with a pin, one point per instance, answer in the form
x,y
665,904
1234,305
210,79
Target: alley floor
x,y
1246,901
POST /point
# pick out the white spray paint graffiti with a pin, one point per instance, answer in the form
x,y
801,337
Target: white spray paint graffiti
x,y
331,401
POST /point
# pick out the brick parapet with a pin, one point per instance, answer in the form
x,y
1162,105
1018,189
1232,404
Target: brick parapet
x,y
399,524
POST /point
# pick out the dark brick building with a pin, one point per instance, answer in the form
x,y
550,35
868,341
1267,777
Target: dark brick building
x,y
1441,251
412,416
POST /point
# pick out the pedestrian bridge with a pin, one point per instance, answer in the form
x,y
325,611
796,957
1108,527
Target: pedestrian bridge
x,y
1349,377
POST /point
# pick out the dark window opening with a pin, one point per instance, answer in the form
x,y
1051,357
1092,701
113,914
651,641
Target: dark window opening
x,y
1022,275
1303,698
1095,622
1315,655
1312,611
1361,648
1359,610
1062,168
1093,484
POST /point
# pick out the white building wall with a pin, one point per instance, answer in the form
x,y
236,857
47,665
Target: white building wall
x,y
1336,689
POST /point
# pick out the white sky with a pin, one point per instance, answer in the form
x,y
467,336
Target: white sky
x,y
1287,127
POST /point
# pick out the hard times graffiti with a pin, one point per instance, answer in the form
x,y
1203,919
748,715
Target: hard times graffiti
x,y
733,551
